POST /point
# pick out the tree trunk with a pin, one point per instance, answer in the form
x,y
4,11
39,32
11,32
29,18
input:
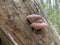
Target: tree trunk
x,y
14,25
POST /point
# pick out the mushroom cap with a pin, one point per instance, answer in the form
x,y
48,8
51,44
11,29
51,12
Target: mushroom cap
x,y
38,25
33,17
39,21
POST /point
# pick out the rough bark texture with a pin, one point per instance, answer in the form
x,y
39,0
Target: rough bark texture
x,y
14,25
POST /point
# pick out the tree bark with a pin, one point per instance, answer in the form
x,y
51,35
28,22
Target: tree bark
x,y
14,24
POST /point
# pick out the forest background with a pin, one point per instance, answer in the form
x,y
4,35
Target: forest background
x,y
52,8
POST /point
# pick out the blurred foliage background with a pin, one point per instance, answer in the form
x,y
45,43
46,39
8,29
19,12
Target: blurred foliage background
x,y
52,8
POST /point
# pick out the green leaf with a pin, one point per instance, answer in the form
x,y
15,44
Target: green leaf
x,y
44,5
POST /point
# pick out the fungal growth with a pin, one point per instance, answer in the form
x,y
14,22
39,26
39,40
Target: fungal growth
x,y
33,17
36,21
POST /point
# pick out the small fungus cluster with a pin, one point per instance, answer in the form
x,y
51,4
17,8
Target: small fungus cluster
x,y
36,21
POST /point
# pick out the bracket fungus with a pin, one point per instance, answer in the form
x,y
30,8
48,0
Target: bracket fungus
x,y
36,21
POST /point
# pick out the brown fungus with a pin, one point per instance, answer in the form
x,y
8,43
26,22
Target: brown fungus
x,y
38,25
33,17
